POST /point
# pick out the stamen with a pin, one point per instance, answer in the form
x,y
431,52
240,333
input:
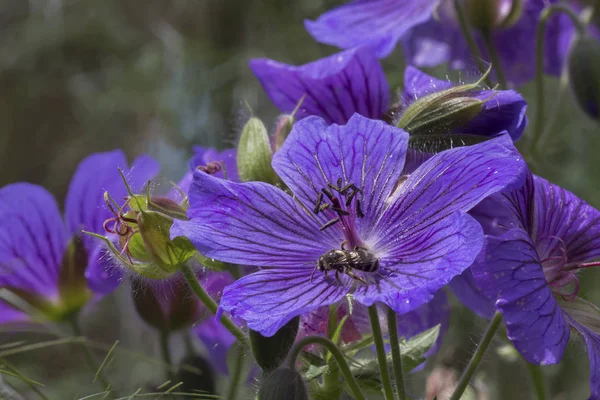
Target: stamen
x,y
359,212
329,223
340,211
327,193
318,203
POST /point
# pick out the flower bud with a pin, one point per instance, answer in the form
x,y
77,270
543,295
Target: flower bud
x,y
283,383
584,75
487,15
196,375
270,352
283,128
254,153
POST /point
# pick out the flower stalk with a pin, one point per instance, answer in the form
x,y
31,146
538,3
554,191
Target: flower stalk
x,y
166,354
493,52
477,356
396,356
381,357
336,353
211,305
537,379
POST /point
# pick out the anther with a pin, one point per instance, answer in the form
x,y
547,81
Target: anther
x,y
345,189
350,197
327,193
359,212
318,203
340,211
329,223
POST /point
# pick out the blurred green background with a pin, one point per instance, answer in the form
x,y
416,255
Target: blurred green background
x,y
155,76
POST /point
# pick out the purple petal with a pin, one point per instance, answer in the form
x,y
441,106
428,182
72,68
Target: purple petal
x,y
466,290
33,239
103,274
449,182
365,152
203,156
583,316
335,87
9,315
512,273
251,223
562,215
418,84
376,23
416,265
268,299
504,110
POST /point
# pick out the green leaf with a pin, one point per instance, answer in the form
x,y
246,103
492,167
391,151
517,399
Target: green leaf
x,y
414,349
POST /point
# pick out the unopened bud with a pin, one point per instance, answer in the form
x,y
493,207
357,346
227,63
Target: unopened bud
x,y
196,375
283,128
444,115
254,153
584,75
283,383
271,352
487,15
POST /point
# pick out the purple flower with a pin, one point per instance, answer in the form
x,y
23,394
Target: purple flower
x,y
376,24
431,35
539,237
407,236
219,164
352,81
34,238
334,87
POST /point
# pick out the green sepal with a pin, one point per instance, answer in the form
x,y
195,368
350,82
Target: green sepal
x,y
72,283
254,153
584,75
271,352
283,383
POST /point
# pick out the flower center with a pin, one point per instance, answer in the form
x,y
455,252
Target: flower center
x,y
341,205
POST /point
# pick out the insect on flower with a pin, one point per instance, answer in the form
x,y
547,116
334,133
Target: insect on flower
x,y
383,237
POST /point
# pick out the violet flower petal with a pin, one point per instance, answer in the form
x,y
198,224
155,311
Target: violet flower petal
x,y
33,239
418,84
592,342
251,223
512,273
376,24
269,298
418,265
466,290
204,155
565,222
365,152
335,87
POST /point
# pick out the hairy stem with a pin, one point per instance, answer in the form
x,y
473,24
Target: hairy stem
x,y
538,125
89,357
236,376
496,64
477,356
466,31
211,305
537,378
166,353
396,356
381,356
336,353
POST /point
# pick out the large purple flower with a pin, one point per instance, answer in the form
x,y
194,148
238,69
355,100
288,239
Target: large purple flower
x,y
410,236
34,238
431,35
539,237
336,87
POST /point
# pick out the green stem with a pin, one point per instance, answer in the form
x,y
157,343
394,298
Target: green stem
x,y
537,378
392,322
466,31
166,354
496,64
211,305
477,356
89,357
539,64
331,387
381,357
236,376
336,353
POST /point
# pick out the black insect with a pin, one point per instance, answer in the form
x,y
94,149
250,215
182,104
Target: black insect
x,y
345,261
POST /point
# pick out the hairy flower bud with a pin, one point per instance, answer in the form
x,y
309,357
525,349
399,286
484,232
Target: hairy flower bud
x,y
270,352
283,128
584,75
487,15
254,153
283,383
442,111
